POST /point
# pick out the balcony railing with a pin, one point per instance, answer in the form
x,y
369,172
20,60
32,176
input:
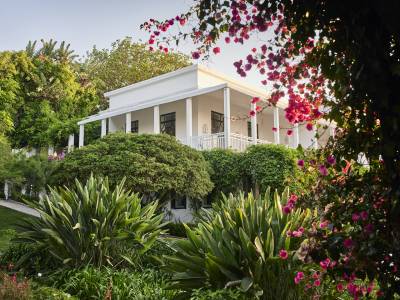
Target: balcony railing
x,y
217,140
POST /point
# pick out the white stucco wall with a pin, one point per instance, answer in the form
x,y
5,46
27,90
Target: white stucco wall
x,y
162,86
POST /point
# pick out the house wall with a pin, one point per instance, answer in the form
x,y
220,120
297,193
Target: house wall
x,y
167,85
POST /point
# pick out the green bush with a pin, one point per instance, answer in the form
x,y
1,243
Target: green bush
x,y
222,294
226,171
178,229
238,244
90,223
90,283
273,166
28,259
49,293
157,166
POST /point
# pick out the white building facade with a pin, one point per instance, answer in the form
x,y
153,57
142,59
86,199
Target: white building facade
x,y
201,108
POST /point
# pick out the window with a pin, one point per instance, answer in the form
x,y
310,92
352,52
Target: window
x,y
217,122
167,123
249,129
135,126
179,202
207,202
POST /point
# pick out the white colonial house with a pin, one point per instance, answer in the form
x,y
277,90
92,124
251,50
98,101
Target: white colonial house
x,y
203,109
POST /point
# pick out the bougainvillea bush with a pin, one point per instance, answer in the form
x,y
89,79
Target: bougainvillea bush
x,y
332,60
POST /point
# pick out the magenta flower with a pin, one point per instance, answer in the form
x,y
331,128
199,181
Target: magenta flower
x,y
286,209
299,277
355,217
309,126
364,215
317,282
283,254
323,224
348,243
323,170
196,55
300,163
368,229
331,160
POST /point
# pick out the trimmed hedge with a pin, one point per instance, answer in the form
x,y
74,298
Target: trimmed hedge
x,y
225,171
156,166
259,167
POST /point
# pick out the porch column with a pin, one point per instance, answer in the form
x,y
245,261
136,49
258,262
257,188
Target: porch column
x,y
332,131
276,126
128,119
103,127
50,150
6,188
189,121
156,111
71,142
254,124
227,117
81,135
315,138
296,135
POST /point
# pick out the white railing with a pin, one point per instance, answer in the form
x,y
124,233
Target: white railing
x,y
217,140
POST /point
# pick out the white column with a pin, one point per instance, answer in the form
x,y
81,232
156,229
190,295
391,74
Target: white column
x,y
71,142
276,126
6,190
227,117
254,124
296,135
103,127
50,150
128,119
189,121
315,139
81,135
332,131
156,110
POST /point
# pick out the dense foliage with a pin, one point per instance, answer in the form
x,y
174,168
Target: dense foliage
x,y
259,167
128,62
243,242
90,223
225,171
156,166
330,60
45,90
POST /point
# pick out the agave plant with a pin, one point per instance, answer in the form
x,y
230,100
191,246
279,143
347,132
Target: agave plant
x,y
238,244
89,223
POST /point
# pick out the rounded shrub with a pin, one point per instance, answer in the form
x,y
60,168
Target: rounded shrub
x,y
225,171
273,166
156,166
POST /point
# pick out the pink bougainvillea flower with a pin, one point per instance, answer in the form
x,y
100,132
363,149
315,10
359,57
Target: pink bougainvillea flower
x,y
323,224
323,170
252,113
182,22
299,277
227,40
309,126
217,50
348,243
339,287
317,282
283,254
331,160
300,163
364,215
274,129
286,209
355,217
255,100
369,228
196,55
325,263
289,132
